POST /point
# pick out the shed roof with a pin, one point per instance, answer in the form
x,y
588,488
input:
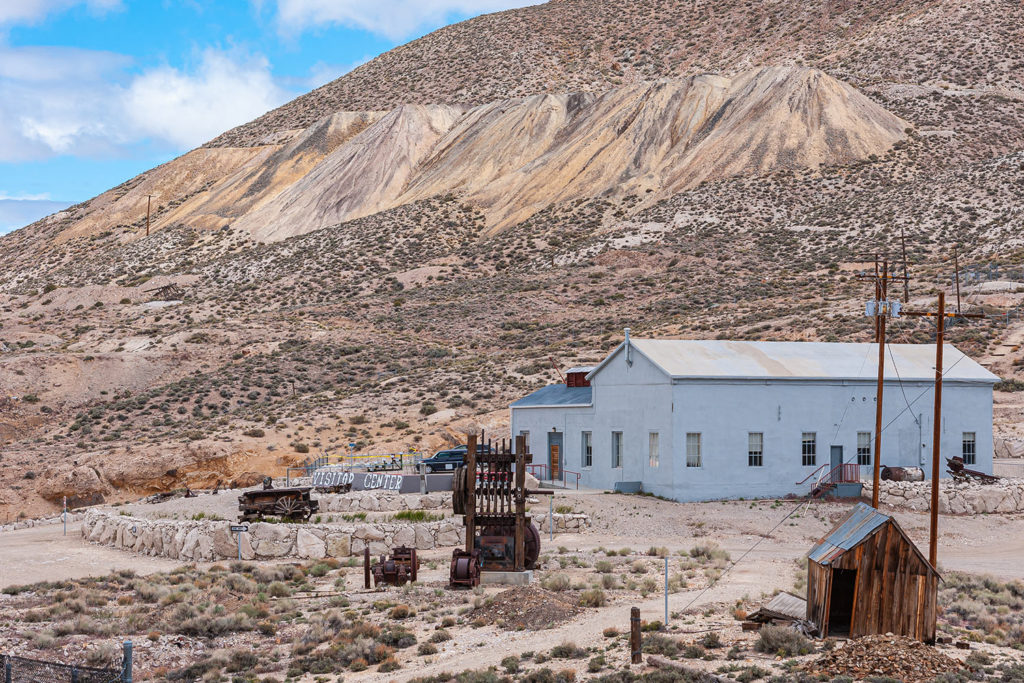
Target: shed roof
x,y
859,523
721,359
556,396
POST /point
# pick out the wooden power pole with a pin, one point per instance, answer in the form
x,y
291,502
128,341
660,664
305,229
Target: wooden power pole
x,y
940,335
149,203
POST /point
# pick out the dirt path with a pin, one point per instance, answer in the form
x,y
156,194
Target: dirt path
x,y
43,553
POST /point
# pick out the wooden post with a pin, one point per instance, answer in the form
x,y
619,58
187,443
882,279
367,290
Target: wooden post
x,y
470,516
880,316
520,494
149,203
366,567
933,532
634,636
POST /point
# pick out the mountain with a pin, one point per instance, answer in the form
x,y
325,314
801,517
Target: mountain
x,y
393,258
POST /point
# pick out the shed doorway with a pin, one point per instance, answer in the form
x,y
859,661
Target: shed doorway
x,y
840,608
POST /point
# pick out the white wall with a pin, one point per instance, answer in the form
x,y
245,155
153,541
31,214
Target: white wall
x,y
639,399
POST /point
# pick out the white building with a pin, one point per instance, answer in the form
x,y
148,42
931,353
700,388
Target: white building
x,y
702,420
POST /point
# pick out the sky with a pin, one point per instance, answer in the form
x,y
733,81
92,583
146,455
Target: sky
x,y
93,92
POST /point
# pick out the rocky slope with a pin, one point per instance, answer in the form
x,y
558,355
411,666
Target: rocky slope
x,y
495,235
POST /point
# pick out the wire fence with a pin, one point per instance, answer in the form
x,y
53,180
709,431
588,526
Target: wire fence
x,y
21,670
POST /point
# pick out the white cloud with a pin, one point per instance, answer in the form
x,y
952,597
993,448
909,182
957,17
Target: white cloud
x,y
88,103
394,19
32,11
189,109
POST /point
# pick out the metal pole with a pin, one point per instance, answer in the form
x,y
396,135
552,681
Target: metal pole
x,y
880,322
551,518
126,670
666,591
149,202
65,515
933,533
8,674
239,534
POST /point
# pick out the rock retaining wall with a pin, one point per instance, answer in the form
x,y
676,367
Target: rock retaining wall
x,y
954,498
205,541
44,521
372,501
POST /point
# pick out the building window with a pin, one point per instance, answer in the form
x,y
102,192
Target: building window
x,y
526,439
755,449
693,449
587,448
616,449
970,449
652,449
863,448
809,449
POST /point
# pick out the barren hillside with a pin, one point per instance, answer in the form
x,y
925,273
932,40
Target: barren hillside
x,y
423,262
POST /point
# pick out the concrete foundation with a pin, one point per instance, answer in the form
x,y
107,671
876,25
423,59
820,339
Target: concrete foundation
x,y
507,578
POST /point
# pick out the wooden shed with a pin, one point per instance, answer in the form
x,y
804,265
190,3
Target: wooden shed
x,y
866,576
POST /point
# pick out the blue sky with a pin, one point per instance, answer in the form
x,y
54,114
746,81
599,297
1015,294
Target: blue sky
x,y
92,92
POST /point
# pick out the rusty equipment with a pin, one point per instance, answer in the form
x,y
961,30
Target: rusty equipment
x,y
397,570
490,492
902,474
465,569
959,472
292,504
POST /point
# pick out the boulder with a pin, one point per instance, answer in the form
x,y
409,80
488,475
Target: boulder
x,y
424,539
338,545
309,546
404,536
271,540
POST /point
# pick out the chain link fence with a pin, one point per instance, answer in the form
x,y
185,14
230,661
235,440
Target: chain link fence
x,y
23,670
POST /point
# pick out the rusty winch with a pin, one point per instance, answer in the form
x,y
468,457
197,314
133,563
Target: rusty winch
x,y
397,570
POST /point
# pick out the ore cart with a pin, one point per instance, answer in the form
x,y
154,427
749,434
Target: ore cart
x,y
291,504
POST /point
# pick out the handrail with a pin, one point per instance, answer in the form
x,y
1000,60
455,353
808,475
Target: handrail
x,y
848,473
820,468
543,469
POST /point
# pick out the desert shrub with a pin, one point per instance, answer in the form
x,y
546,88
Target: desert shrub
x,y
711,640
603,566
593,597
567,650
659,644
389,664
440,636
400,612
782,640
556,582
510,664
708,552
426,649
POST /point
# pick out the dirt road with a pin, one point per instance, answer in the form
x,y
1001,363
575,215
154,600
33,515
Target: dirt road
x,y
43,553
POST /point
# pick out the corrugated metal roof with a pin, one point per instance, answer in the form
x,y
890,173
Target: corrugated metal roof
x,y
580,368
720,359
782,606
556,395
858,524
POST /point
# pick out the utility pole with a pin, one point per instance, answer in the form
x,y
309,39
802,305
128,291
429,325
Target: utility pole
x,y
881,308
149,203
956,268
906,273
940,328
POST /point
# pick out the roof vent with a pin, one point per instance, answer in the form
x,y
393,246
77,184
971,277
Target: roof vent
x,y
629,350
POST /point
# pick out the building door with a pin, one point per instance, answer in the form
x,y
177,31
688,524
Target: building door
x,y
555,454
835,460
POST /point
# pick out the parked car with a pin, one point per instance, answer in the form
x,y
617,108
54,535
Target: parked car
x,y
449,459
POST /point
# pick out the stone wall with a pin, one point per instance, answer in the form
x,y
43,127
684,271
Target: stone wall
x,y
570,523
374,501
954,498
205,541
43,521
